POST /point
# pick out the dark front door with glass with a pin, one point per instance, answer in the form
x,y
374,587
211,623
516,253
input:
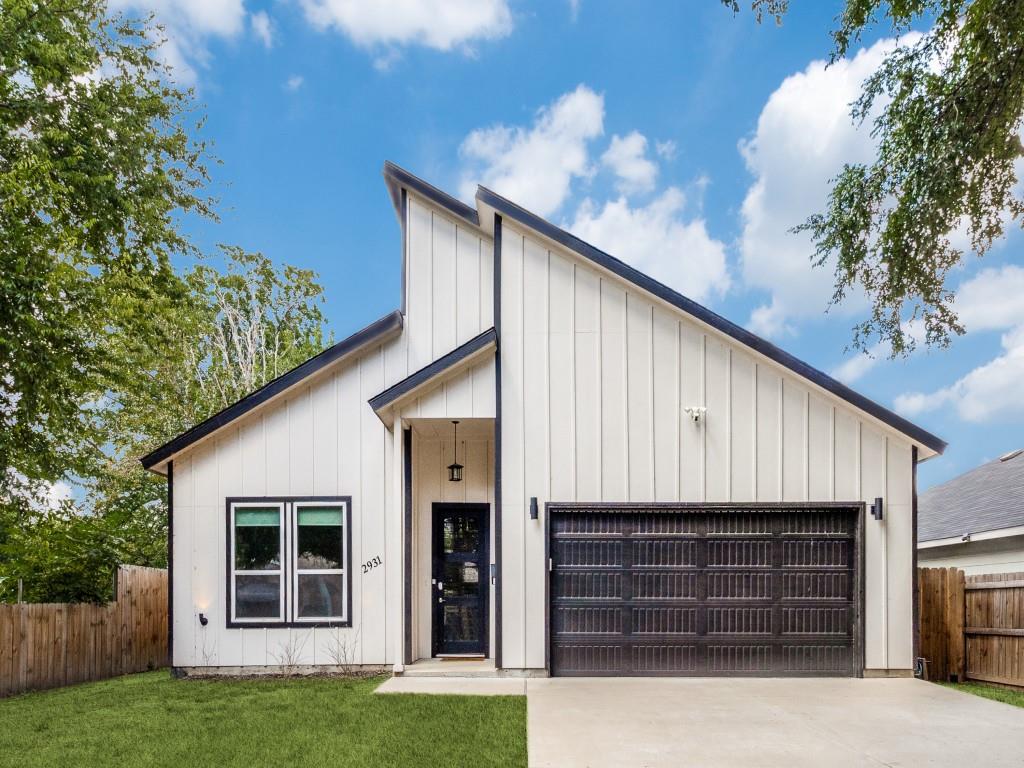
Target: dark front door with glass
x,y
460,579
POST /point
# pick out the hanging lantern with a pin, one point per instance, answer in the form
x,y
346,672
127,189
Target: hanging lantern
x,y
455,469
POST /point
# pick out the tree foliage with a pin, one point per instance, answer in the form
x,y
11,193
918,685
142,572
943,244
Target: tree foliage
x,y
105,350
96,170
240,325
946,108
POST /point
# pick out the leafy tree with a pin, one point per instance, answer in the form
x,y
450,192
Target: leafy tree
x,y
96,169
948,109
238,327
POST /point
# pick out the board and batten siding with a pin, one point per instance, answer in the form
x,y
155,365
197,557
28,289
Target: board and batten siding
x,y
322,439
596,375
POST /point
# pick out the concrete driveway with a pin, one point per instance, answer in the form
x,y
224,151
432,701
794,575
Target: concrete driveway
x,y
622,722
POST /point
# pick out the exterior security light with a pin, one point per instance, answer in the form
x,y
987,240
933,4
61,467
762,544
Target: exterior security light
x,y
455,469
203,621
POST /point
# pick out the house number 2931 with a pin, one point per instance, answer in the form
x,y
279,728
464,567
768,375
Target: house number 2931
x,y
372,563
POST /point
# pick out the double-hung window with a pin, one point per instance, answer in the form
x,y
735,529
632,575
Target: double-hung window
x,y
288,561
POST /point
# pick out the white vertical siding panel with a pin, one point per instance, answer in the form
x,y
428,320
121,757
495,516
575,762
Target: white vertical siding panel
x,y
444,286
742,423
536,465
325,438
691,437
769,434
561,380
873,465
254,647
665,366
184,532
483,389
900,549
206,514
794,441
300,440
277,436
227,646
716,423
428,481
640,398
372,586
513,544
467,285
819,449
254,457
486,283
419,283
459,395
350,406
478,471
846,450
614,437
587,377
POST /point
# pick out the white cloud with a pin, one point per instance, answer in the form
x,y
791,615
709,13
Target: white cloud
x,y
263,28
992,300
627,157
438,24
536,166
666,150
187,25
657,239
804,136
294,82
574,9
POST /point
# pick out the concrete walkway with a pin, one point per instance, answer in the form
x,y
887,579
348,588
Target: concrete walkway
x,y
597,722
456,686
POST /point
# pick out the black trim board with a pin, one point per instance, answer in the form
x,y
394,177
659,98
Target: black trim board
x,y
398,178
915,598
391,323
440,366
170,564
497,446
705,315
407,546
286,566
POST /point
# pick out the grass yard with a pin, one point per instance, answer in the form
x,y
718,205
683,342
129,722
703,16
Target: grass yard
x,y
1005,695
152,720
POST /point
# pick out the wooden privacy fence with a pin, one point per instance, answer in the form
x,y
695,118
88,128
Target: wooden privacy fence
x,y
47,645
972,627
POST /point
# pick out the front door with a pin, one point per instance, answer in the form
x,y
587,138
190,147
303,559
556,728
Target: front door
x,y
460,579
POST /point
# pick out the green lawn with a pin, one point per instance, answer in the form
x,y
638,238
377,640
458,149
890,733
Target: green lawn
x,y
1005,695
150,720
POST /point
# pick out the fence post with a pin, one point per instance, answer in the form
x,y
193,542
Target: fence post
x,y
955,607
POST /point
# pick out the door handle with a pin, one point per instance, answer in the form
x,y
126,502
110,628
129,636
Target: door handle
x,y
440,586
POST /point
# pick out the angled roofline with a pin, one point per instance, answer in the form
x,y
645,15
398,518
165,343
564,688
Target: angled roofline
x,y
375,332
444,364
398,178
517,213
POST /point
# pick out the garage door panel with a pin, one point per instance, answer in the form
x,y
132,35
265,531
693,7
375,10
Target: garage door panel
x,y
690,591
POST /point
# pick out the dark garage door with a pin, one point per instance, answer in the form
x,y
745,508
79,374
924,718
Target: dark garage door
x,y
705,591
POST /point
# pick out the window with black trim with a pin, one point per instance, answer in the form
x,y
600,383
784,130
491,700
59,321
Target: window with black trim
x,y
288,561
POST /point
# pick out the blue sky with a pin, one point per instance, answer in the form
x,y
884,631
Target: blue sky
x,y
677,136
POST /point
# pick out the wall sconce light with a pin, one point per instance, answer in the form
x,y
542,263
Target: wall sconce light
x,y
696,413
876,508
203,621
455,469
534,509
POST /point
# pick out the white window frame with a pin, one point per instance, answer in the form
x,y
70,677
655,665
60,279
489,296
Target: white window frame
x,y
280,572
295,571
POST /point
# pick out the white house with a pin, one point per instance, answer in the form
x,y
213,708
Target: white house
x,y
646,488
975,522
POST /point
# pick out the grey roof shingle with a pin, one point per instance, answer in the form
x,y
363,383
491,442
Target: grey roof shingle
x,y
987,498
